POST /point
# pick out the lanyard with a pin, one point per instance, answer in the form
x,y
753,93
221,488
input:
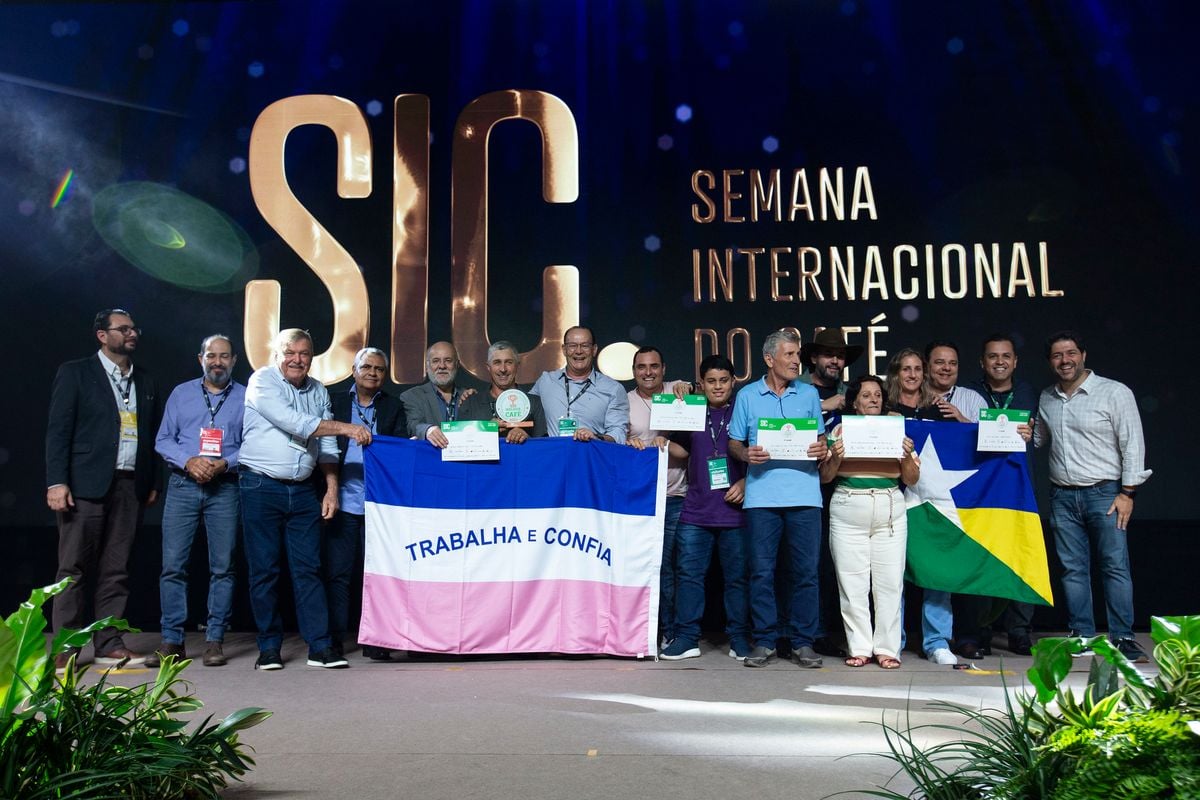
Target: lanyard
x,y
368,421
996,403
117,385
450,408
716,433
212,412
567,388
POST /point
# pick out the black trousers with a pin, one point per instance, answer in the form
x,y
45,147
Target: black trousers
x,y
94,543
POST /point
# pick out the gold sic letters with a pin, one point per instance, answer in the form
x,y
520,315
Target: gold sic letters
x,y
340,274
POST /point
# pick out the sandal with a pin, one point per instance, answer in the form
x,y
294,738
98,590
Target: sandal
x,y
887,662
858,661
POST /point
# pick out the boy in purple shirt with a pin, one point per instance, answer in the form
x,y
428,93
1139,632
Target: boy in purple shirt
x,y
711,512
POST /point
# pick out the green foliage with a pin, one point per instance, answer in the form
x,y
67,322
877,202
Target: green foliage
x,y
1126,737
60,738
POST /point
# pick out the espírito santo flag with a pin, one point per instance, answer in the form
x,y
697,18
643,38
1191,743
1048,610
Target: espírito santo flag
x,y
973,524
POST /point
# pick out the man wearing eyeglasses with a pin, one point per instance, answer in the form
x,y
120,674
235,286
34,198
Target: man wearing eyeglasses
x,y
367,404
287,433
579,400
100,474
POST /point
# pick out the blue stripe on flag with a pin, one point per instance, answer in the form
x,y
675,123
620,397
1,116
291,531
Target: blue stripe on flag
x,y
1002,480
599,475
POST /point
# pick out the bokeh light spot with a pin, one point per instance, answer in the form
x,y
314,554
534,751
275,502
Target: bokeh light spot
x,y
145,52
848,7
910,313
180,27
162,234
736,28
770,144
255,69
616,360
652,243
954,46
1151,105
683,112
665,142
237,165
374,108
637,333
26,208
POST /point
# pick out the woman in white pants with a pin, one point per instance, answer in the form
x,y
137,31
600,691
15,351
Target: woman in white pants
x,y
868,532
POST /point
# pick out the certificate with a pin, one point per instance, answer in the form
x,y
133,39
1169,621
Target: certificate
x,y
471,440
998,430
877,436
671,413
787,439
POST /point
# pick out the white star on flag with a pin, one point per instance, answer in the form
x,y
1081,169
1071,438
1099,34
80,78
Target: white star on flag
x,y
935,484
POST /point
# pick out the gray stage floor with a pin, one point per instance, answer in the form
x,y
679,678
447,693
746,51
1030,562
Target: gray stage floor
x,y
571,727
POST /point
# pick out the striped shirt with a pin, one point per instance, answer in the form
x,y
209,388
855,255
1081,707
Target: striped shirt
x,y
1095,434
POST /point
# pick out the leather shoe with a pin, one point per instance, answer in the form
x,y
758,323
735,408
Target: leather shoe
x,y
1020,645
828,646
166,649
376,653
214,656
62,660
969,650
119,656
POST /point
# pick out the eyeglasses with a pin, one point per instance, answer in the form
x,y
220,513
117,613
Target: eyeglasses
x,y
578,347
125,330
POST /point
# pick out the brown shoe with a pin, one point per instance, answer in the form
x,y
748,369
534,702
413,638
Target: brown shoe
x,y
63,660
166,649
214,656
119,656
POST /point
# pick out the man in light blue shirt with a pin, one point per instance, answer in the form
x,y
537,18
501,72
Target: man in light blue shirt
x,y
200,438
579,400
289,430
783,502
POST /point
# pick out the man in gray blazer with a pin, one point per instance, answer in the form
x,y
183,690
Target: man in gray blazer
x,y
101,473
427,406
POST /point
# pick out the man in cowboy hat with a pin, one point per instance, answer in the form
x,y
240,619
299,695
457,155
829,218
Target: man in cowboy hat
x,y
825,357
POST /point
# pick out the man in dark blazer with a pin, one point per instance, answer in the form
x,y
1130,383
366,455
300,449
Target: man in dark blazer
x,y
366,404
101,473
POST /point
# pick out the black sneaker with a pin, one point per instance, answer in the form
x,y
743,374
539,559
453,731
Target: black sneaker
x,y
268,660
1132,650
759,657
1020,645
376,653
806,657
327,659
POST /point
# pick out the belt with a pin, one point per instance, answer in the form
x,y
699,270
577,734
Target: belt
x,y
1081,488
123,473
284,481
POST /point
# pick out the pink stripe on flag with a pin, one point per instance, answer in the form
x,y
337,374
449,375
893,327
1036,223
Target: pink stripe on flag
x,y
542,616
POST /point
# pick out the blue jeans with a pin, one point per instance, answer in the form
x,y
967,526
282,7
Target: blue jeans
x,y
800,529
666,575
1080,521
187,503
937,620
694,545
278,516
343,556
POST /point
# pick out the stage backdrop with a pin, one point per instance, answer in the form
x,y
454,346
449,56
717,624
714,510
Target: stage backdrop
x,y
692,175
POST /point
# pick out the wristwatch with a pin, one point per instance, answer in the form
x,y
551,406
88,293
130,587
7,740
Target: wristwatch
x,y
1130,493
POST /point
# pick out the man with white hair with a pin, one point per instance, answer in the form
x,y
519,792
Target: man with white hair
x,y
429,405
502,363
200,439
365,403
289,430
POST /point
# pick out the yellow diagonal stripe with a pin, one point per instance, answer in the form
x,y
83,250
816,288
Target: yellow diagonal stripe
x,y
1014,537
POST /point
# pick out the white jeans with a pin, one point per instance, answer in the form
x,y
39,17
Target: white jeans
x,y
868,532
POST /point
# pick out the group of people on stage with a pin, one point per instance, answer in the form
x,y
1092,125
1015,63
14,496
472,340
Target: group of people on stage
x,y
285,459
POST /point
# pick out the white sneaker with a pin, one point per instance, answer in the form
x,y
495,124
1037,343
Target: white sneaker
x,y
943,656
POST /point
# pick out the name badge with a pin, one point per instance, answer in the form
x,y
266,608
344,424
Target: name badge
x,y
210,441
298,443
718,473
567,426
128,426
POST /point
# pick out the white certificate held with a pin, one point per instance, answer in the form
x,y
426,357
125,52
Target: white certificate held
x,y
471,440
998,430
787,439
877,436
671,413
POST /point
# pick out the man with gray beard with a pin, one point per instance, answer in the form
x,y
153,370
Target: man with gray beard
x,y
427,406
200,437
